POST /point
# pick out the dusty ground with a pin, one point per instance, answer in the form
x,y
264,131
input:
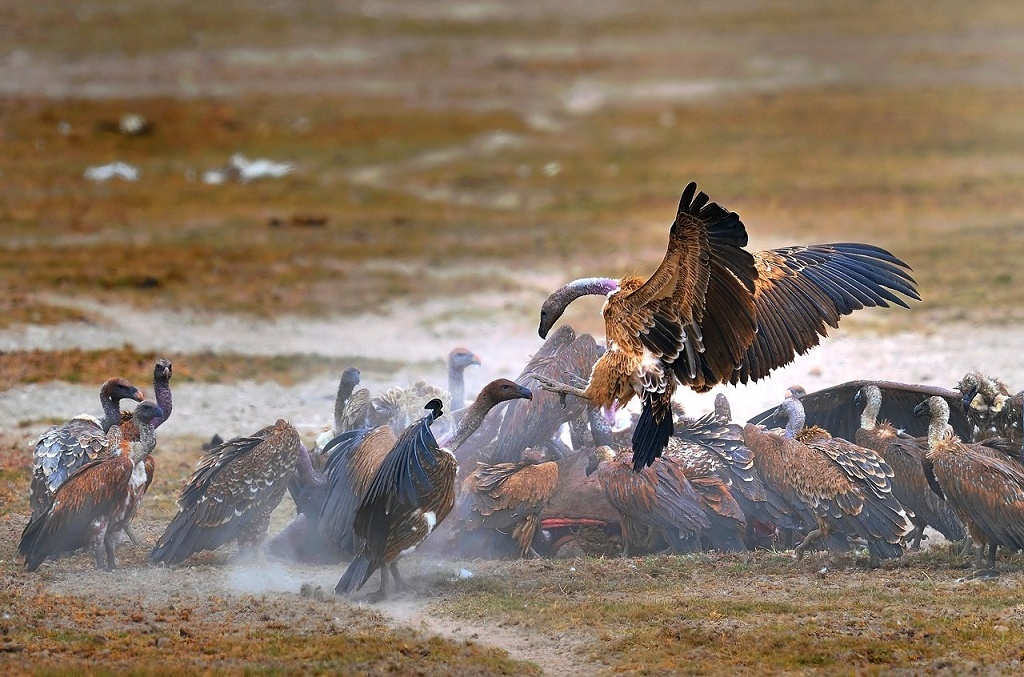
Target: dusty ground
x,y
467,157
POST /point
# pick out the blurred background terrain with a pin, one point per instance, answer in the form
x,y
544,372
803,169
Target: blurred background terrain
x,y
445,165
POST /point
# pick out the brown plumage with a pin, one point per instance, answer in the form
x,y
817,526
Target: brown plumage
x,y
231,494
507,499
905,455
990,407
984,487
713,312
354,459
846,487
63,449
834,410
98,499
714,486
413,490
658,498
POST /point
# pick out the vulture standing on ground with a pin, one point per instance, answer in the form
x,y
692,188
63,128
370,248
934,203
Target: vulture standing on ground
x,y
658,497
413,490
846,487
990,407
985,487
834,410
99,499
713,312
232,492
62,449
506,498
905,455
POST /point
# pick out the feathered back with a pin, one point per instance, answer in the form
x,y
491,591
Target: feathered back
x,y
236,485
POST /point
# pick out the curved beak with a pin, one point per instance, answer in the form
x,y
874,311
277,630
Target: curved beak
x,y
137,395
921,409
525,393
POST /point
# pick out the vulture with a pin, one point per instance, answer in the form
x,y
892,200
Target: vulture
x,y
232,492
833,408
905,455
990,408
715,313
656,501
535,423
458,360
482,445
983,486
847,488
98,499
505,498
413,490
64,448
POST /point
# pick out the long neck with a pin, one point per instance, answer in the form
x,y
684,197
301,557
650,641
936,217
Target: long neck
x,y
162,392
111,411
600,429
344,392
475,414
142,439
457,385
601,286
938,425
869,417
794,417
308,476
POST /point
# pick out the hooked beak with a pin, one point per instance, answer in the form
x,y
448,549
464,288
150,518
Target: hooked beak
x,y
921,409
525,393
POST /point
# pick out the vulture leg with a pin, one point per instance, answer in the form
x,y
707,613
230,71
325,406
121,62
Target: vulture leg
x,y
554,386
98,554
133,537
812,536
532,554
968,545
992,556
917,535
382,593
399,582
108,545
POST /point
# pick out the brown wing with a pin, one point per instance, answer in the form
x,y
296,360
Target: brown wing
x,y
532,423
987,492
60,451
910,487
658,496
234,484
698,302
800,291
93,491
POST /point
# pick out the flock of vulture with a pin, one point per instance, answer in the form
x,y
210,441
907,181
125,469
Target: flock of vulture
x,y
532,463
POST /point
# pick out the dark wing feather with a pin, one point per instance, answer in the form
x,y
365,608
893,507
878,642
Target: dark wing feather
x,y
803,290
832,408
658,496
94,489
987,492
235,483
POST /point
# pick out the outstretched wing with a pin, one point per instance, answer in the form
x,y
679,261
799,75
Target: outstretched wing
x,y
833,409
802,290
696,310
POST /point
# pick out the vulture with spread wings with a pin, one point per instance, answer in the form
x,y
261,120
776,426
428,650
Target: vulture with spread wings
x,y
715,313
834,410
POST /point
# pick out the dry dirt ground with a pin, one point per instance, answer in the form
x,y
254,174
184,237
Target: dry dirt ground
x,y
510,147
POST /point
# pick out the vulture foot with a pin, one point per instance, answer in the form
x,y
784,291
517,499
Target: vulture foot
x,y
551,385
979,575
